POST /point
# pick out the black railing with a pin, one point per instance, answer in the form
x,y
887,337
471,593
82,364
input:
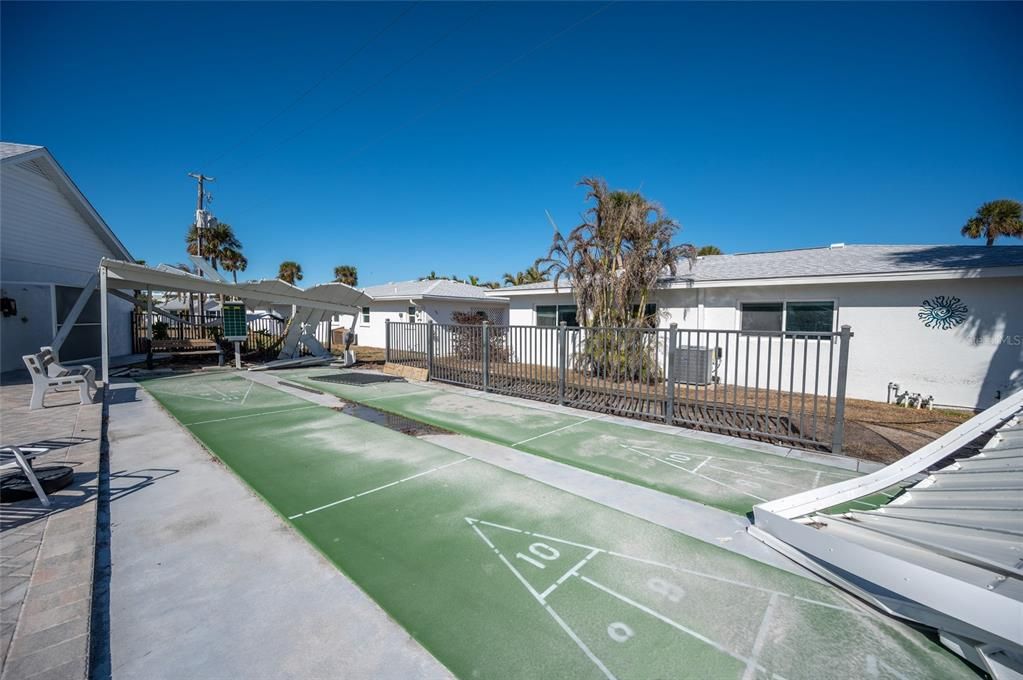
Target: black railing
x,y
266,333
783,388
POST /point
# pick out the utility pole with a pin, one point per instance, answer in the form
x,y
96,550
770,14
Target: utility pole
x,y
200,224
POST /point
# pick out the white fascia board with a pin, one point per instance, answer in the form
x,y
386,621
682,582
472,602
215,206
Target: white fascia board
x,y
890,277
532,291
447,298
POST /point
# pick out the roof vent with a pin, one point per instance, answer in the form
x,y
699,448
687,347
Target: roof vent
x,y
836,245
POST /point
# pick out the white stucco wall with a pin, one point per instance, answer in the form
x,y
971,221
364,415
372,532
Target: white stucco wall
x,y
44,241
970,365
439,311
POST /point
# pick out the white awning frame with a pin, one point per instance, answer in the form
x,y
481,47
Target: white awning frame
x,y
336,298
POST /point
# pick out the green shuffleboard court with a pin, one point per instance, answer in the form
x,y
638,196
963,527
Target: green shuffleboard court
x,y
726,477
500,576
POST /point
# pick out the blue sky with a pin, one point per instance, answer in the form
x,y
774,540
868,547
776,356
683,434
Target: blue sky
x,y
758,126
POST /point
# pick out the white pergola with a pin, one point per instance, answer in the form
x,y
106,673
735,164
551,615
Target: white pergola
x,y
119,278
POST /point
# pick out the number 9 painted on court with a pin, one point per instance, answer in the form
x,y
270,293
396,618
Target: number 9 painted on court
x,y
541,550
668,591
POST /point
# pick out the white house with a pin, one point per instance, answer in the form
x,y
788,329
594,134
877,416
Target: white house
x,y
51,242
945,321
421,301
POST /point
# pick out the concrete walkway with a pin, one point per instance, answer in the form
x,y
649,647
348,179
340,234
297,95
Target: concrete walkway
x,y
47,555
207,582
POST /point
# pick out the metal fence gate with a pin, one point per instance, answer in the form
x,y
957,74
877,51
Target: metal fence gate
x,y
786,388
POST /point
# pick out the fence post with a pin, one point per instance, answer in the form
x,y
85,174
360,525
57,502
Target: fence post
x,y
429,349
387,340
562,361
486,356
838,433
669,401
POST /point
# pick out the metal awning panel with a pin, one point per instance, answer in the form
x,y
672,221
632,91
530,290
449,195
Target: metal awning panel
x,y
947,552
1005,521
965,479
988,548
962,499
334,297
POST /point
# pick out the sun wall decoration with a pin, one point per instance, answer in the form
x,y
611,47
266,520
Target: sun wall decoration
x,y
942,312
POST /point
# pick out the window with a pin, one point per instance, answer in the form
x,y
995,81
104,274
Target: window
x,y
412,314
792,317
553,315
762,316
809,317
649,314
365,315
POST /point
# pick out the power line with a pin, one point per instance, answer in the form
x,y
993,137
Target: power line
x,y
326,76
372,86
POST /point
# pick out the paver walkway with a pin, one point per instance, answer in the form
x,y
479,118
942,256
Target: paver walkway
x,y
47,556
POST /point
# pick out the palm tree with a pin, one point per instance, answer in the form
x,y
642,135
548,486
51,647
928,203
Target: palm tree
x,y
616,259
531,275
218,241
233,261
491,284
709,250
994,219
472,280
432,276
347,274
289,272
617,256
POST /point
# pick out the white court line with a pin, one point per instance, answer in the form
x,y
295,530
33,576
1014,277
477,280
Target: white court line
x,y
253,415
582,645
817,479
697,474
568,573
665,619
758,642
707,460
843,475
246,395
501,526
770,480
580,422
390,396
379,488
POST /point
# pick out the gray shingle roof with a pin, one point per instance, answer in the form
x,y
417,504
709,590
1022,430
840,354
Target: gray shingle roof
x,y
426,288
838,261
8,149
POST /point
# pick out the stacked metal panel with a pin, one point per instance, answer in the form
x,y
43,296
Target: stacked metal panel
x,y
946,552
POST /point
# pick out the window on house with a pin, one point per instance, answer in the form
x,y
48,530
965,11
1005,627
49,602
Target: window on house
x,y
649,314
762,316
809,317
792,317
365,315
553,315
412,314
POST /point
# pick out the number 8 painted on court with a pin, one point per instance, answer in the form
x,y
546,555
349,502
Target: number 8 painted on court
x,y
668,591
541,550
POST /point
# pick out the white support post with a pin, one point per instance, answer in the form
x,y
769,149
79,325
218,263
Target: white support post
x,y
238,355
149,314
72,316
104,321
